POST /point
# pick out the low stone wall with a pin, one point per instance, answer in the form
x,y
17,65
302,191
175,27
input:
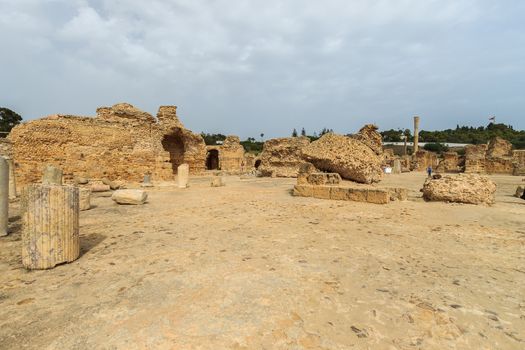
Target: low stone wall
x,y
356,194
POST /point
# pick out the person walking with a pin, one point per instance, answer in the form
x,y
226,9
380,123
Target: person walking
x,y
429,171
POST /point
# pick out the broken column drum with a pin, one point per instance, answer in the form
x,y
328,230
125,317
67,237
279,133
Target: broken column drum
x,y
4,196
52,176
50,233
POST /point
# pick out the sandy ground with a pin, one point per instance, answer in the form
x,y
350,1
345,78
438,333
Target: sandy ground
x,y
248,266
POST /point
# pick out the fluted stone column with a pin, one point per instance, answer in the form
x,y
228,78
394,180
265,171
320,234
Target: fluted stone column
x,y
52,176
183,174
416,135
50,233
4,196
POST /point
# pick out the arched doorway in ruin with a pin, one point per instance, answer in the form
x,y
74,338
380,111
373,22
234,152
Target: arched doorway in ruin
x,y
212,159
175,146
257,164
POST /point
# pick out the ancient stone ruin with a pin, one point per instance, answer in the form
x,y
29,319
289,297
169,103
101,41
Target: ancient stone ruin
x,y
282,157
229,157
121,142
354,158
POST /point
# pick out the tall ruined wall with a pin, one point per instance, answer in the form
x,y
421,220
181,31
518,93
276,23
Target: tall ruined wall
x,y
475,158
495,158
231,155
122,142
423,159
451,163
518,157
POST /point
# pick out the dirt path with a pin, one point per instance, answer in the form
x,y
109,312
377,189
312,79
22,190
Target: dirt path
x,y
248,266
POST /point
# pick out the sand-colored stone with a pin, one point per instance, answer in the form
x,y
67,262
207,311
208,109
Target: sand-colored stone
x,y
84,195
4,196
323,178
130,196
99,187
120,143
52,175
217,181
282,157
350,157
461,188
183,175
450,163
229,157
50,226
357,194
519,191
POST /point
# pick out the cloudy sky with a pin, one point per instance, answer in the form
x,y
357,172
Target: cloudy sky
x,y
267,66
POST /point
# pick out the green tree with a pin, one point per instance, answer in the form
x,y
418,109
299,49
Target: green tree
x,y
8,119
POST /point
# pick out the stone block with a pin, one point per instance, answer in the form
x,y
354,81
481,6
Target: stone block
x,y
378,196
84,198
183,174
303,190
321,192
398,194
339,193
217,181
134,197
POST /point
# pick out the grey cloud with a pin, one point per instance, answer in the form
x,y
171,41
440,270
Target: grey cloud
x,y
254,66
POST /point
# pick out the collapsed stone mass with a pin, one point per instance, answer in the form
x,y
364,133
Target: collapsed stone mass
x,y
121,142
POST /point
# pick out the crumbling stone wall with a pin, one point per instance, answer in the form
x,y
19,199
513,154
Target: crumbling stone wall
x,y
518,157
230,156
423,159
282,157
495,158
475,158
121,142
451,163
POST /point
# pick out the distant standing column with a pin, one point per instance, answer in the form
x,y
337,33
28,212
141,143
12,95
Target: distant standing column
x,y
12,179
183,174
4,196
416,134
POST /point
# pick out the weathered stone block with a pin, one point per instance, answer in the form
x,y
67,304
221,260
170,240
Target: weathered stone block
x,y
183,174
100,188
321,192
378,196
339,193
357,194
52,176
134,197
398,194
303,190
84,198
217,181
324,179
